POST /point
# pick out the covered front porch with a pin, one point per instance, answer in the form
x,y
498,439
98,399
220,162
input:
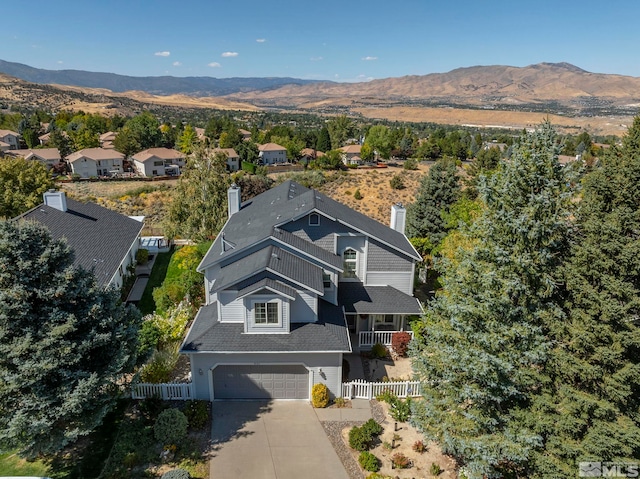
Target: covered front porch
x,y
374,313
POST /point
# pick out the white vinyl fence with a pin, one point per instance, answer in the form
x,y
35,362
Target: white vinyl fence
x,y
166,391
366,339
360,389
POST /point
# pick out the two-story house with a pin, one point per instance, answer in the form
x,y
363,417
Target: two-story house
x,y
272,154
159,162
96,162
233,159
10,140
291,280
47,156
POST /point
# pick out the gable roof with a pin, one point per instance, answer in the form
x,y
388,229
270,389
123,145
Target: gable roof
x,y
230,152
4,133
274,260
351,149
99,237
271,147
285,203
161,153
328,334
45,154
96,154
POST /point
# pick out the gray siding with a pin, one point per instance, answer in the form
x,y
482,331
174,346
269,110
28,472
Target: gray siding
x,y
304,308
231,310
322,235
401,281
249,327
330,363
383,258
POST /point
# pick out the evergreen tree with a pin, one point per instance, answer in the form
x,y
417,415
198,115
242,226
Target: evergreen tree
x,y
591,407
65,343
323,142
480,349
438,191
199,206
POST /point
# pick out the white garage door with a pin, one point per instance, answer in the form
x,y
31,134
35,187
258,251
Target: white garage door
x,y
261,382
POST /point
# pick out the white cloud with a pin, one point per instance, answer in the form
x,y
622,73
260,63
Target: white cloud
x,y
214,65
177,64
368,59
229,54
162,54
261,40
316,59
59,62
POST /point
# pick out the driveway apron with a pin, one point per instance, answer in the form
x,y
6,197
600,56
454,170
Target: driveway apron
x,y
271,440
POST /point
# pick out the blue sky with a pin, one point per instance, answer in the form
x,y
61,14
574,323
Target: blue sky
x,y
326,40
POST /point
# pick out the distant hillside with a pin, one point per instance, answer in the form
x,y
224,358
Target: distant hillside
x,y
162,85
485,86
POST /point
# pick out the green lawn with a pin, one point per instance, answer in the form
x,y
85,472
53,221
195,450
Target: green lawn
x,y
12,465
147,305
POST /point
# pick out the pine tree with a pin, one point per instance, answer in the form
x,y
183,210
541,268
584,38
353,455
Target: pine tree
x,y
65,343
590,410
438,191
481,345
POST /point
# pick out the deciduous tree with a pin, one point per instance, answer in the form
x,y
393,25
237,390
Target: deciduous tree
x,y
22,184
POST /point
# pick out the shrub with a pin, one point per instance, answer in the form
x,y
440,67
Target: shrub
x,y
435,469
357,195
359,439
158,369
142,256
340,402
400,343
176,474
378,351
419,447
197,413
400,461
151,407
320,395
410,164
375,475
401,410
170,427
396,182
372,428
369,462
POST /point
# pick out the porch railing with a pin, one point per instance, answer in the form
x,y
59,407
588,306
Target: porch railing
x,y
361,389
369,338
165,391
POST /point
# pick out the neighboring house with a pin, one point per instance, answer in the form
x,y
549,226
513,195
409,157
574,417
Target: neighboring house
x,y
4,146
272,153
246,135
351,155
10,138
308,155
106,139
44,139
102,240
233,159
291,280
46,156
95,162
200,134
159,162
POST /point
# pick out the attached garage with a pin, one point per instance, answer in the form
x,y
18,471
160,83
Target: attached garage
x,y
261,382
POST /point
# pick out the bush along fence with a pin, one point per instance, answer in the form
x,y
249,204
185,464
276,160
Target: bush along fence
x,y
360,389
165,391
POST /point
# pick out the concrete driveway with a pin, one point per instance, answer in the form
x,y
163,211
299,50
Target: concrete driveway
x,y
271,440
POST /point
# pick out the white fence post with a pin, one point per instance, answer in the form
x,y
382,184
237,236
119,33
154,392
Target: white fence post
x,y
361,389
166,391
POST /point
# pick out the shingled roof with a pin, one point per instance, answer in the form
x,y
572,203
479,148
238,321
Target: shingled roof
x,y
285,203
100,238
328,334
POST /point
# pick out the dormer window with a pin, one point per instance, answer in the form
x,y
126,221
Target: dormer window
x,y
314,219
350,263
266,313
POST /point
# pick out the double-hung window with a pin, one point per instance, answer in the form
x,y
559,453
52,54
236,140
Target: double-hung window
x,y
266,313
